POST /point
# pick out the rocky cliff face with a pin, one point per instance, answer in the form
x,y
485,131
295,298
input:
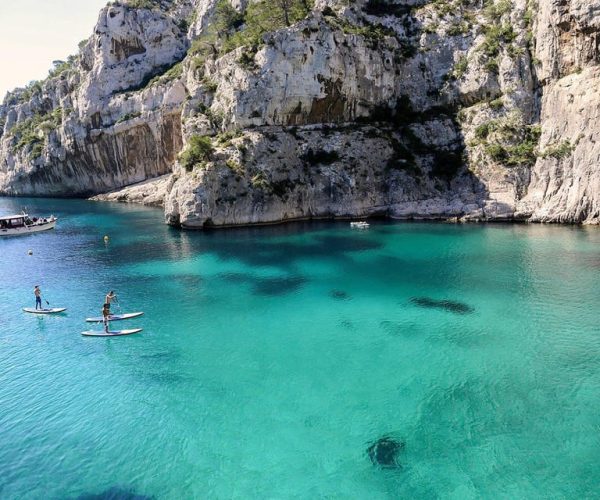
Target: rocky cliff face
x,y
257,112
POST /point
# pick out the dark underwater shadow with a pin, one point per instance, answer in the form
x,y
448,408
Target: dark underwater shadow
x,y
280,285
339,295
399,329
385,452
166,378
445,305
114,493
161,356
265,251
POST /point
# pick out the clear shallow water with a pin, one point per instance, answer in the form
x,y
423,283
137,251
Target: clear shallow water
x,y
272,358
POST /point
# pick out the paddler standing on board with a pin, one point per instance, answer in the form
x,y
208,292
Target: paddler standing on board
x,y
38,297
105,316
110,296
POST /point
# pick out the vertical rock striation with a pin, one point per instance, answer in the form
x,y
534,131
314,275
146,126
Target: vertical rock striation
x,y
480,110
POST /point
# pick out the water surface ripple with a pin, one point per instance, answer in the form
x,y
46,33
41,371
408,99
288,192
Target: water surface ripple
x,y
284,362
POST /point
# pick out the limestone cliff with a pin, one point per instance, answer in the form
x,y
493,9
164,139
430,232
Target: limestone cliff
x,y
256,111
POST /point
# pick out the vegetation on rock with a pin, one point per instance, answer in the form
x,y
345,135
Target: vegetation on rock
x,y
231,29
559,151
31,133
508,140
198,151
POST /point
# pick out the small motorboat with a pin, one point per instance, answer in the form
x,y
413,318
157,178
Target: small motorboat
x,y
359,224
14,225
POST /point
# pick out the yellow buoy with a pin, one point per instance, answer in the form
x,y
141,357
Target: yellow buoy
x,y
106,238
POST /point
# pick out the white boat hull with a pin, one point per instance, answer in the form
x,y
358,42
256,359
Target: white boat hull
x,y
33,228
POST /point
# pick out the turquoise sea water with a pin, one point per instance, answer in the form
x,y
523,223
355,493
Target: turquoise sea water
x,y
272,358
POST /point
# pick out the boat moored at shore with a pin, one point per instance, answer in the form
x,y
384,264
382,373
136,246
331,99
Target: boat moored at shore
x,y
14,225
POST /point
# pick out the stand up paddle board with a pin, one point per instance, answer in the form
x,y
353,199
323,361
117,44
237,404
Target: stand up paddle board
x,y
51,310
114,317
111,333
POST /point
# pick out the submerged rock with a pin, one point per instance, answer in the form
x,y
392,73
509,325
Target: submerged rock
x,y
114,493
278,286
384,452
348,324
447,305
392,327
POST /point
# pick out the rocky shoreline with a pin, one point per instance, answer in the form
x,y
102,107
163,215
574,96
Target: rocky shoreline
x,y
453,110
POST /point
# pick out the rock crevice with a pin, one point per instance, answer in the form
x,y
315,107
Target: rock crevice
x,y
445,109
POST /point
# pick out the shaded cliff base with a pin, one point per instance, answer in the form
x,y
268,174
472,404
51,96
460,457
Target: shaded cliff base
x,y
153,193
270,175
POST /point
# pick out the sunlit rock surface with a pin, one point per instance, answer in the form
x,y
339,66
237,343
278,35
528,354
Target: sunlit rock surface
x,y
408,109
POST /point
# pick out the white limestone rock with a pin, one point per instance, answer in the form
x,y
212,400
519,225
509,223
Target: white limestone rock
x,y
411,121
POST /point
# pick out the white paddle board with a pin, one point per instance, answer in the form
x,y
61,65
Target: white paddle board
x,y
111,333
114,317
51,310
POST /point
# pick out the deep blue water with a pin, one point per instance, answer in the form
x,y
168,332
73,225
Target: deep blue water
x,y
272,358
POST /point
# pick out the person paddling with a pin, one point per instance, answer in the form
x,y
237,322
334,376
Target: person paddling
x,y
110,296
38,297
105,316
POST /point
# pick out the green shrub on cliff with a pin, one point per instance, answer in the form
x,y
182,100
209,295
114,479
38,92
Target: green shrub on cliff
x,y
482,131
458,28
496,104
495,10
558,151
33,88
509,141
198,151
231,29
235,166
128,116
460,67
496,152
259,181
169,74
495,36
143,4
31,133
62,67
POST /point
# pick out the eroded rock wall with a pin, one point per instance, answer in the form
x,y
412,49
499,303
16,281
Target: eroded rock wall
x,y
565,182
453,108
95,126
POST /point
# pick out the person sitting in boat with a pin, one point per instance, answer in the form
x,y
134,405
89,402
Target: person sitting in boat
x,y
105,316
110,296
38,297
